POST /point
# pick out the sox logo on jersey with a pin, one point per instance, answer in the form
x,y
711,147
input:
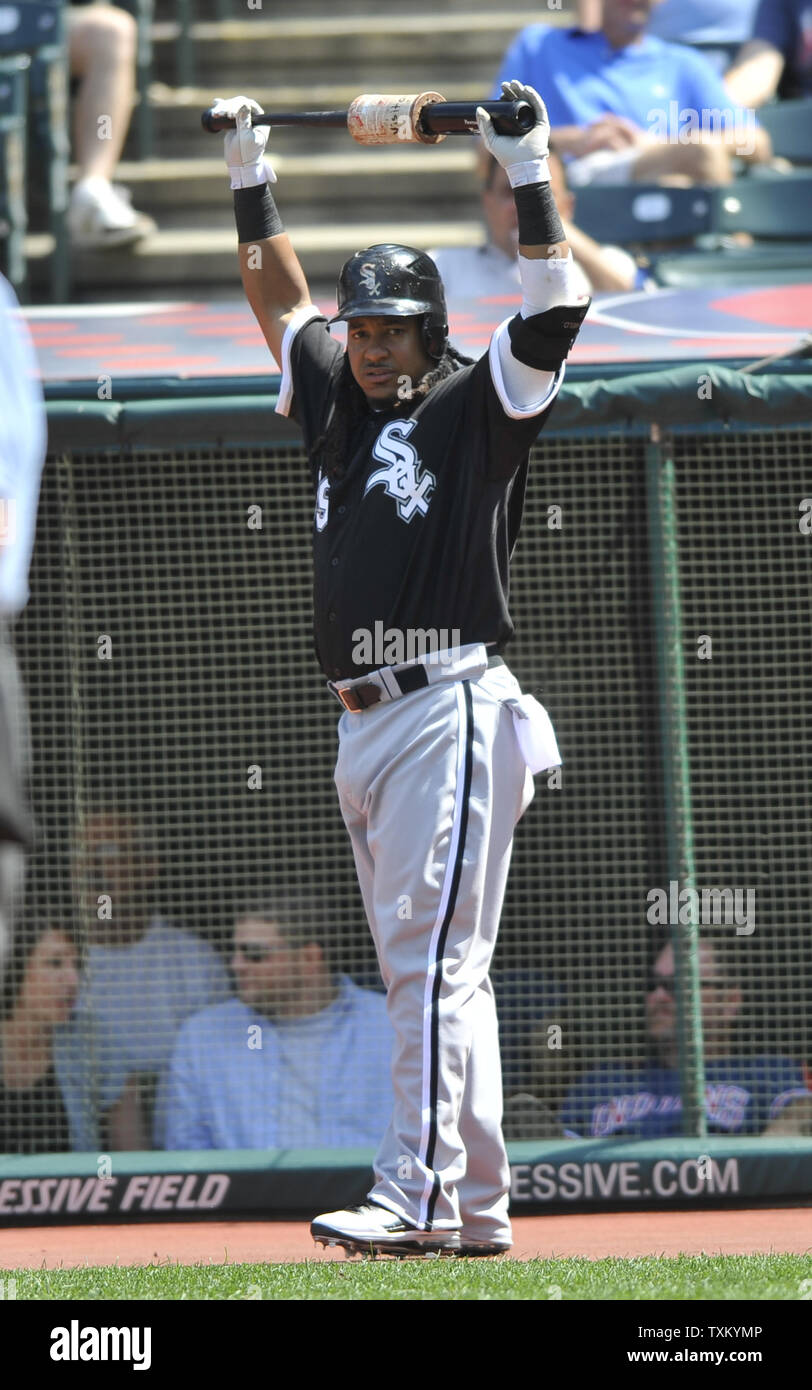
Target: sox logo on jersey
x,y
400,478
322,502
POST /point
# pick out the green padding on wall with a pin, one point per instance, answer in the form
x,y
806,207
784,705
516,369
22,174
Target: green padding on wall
x,y
83,426
219,421
194,1161
693,394
571,1175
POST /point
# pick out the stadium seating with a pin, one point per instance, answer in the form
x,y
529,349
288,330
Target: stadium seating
x,y
13,217
321,56
36,30
776,212
789,126
643,213
778,209
737,265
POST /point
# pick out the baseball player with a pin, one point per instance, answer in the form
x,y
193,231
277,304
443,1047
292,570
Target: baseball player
x,y
418,459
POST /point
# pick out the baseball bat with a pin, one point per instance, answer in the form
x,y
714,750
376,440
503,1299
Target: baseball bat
x,y
437,118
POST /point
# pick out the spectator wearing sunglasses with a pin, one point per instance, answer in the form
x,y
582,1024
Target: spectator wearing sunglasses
x,y
763,1094
300,1058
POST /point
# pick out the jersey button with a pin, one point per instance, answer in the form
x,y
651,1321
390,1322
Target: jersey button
x,y
334,561
331,617
342,509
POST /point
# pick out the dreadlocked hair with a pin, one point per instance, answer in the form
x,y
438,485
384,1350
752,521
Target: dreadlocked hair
x,y
350,409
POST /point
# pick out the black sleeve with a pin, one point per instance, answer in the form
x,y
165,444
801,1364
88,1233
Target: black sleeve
x,y
311,363
500,440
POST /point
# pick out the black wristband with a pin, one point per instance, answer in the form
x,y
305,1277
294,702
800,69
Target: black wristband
x,y
256,213
539,222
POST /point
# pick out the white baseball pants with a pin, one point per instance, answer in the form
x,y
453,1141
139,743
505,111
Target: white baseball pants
x,y
431,787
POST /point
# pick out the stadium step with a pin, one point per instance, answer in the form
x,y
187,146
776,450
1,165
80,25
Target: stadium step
x,y
334,195
379,51
414,177
198,257
213,10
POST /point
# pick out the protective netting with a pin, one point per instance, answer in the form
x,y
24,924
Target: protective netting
x,y
746,575
191,845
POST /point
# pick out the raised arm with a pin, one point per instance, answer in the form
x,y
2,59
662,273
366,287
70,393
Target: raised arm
x,y
541,335
273,280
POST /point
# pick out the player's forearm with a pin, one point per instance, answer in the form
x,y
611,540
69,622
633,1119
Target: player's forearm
x,y
555,250
272,276
539,338
541,231
543,331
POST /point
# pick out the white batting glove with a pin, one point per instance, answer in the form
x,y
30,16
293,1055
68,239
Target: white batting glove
x,y
523,157
245,146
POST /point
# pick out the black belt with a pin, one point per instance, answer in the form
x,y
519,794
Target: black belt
x,y
414,677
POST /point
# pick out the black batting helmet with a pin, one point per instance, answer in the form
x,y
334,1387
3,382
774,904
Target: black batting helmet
x,y
397,281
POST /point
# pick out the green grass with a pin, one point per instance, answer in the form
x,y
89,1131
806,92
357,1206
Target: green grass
x,y
688,1278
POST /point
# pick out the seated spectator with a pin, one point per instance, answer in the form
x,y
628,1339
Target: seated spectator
x,y
300,1058
743,1095
51,1097
101,57
493,268
143,976
702,22
536,1049
777,60
624,106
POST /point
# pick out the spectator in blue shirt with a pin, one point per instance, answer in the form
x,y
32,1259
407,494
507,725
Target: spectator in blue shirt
x,y
715,25
625,106
143,976
777,60
301,1058
766,1094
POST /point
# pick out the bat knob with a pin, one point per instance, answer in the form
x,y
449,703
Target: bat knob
x,y
214,122
524,116
517,121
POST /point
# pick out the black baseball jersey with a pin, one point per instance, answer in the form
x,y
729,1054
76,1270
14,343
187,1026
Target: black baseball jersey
x,y
418,531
